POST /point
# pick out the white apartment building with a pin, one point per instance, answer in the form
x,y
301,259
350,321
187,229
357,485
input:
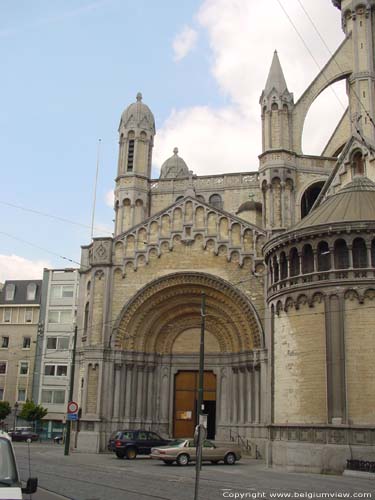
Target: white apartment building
x,y
54,346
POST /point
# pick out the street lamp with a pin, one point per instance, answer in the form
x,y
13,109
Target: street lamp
x,y
15,415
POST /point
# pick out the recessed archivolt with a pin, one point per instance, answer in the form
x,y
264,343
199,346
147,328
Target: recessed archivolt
x,y
152,320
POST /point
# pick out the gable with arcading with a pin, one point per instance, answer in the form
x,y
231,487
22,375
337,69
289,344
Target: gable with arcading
x,y
188,221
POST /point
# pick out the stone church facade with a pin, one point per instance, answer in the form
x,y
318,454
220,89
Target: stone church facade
x,y
286,258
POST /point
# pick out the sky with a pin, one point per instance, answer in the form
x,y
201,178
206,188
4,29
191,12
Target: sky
x,y
70,68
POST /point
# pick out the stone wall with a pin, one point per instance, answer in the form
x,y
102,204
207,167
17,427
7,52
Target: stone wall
x,y
300,365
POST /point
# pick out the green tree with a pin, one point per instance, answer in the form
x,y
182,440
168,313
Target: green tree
x,y
5,409
32,412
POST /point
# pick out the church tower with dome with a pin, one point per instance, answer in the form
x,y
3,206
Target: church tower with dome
x,y
285,255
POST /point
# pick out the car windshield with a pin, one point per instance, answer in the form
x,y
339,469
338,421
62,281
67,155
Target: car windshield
x,y
8,471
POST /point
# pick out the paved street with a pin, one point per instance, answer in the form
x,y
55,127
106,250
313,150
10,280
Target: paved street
x,y
104,477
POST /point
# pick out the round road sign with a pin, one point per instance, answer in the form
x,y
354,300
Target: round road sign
x,y
72,407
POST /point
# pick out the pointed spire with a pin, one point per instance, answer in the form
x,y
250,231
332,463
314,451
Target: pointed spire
x,y
275,78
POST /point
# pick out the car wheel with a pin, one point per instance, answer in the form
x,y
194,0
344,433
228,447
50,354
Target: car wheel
x,y
168,462
131,453
182,459
230,459
120,454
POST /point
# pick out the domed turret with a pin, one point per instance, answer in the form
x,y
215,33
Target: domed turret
x,y
137,130
174,167
138,115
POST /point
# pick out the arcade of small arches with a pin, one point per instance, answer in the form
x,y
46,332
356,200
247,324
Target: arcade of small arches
x,y
307,262
311,297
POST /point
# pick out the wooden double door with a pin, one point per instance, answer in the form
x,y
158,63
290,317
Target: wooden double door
x,y
185,403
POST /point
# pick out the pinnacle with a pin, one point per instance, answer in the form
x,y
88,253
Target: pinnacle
x,y
276,79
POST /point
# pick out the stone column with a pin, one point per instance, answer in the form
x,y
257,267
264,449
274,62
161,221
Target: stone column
x,y
315,256
336,390
350,252
223,396
241,396
368,246
332,257
140,392
256,375
270,197
282,203
128,391
249,394
164,393
235,395
150,385
116,403
299,262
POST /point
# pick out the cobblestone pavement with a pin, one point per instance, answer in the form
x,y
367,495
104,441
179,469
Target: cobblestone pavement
x,y
104,477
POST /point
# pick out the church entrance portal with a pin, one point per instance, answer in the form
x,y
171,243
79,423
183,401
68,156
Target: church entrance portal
x,y
185,403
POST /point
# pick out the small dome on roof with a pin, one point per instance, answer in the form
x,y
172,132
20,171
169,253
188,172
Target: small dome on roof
x,y
250,205
174,167
138,115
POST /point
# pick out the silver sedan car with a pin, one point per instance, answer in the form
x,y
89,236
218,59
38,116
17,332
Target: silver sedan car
x,y
183,451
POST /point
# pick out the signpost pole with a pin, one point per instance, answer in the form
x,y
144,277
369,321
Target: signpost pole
x,y
71,386
200,430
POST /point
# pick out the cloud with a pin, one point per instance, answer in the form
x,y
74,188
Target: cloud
x,y
210,141
13,267
110,198
242,38
184,42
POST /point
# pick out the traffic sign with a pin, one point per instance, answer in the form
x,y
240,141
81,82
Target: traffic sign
x,y
72,416
72,407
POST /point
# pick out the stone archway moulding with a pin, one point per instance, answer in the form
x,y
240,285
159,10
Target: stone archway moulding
x,y
143,315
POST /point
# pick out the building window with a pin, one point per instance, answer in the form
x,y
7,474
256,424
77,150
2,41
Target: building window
x,y
324,256
294,262
358,166
62,291
61,317
283,266
9,291
49,370
56,370
61,370
1,394
307,260
53,397
275,269
3,367
59,343
86,318
21,395
31,291
28,315
24,368
7,315
129,167
359,253
4,342
341,255
215,201
26,342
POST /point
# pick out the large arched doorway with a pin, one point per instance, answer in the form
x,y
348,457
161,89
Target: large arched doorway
x,y
157,339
